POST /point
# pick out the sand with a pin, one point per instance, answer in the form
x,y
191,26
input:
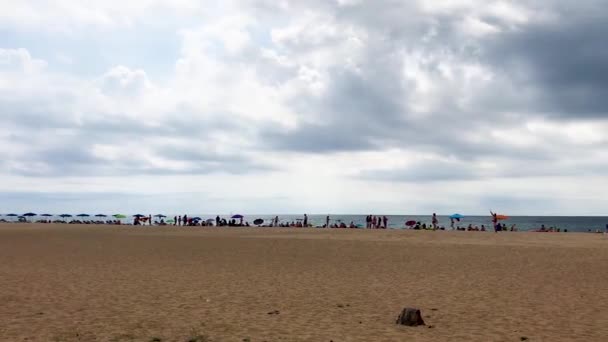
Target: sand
x,y
99,283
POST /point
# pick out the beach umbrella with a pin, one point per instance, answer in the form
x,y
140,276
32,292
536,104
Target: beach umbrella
x,y
119,216
83,215
46,215
101,215
29,214
410,223
11,215
237,216
258,221
502,217
139,215
65,215
160,216
196,219
456,216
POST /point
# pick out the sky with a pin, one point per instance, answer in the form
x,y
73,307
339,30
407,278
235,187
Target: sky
x,y
317,106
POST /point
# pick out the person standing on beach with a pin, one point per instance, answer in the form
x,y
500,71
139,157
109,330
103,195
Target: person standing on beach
x,y
150,219
495,221
452,223
435,221
305,224
385,221
327,222
179,220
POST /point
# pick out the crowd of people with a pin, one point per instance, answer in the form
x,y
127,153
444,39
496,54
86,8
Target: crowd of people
x,y
371,222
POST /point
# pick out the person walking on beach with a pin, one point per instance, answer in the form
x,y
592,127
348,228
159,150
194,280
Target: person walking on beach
x,y
434,221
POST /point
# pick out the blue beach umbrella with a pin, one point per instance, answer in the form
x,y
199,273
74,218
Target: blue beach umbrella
x,y
29,214
11,215
101,215
139,215
456,216
46,215
65,215
237,216
83,215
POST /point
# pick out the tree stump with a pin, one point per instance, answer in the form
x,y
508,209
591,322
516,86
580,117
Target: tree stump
x,y
410,317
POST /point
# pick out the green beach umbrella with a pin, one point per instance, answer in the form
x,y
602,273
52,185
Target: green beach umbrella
x,y
120,216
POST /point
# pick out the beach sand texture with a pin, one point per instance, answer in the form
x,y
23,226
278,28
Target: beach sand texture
x,y
99,283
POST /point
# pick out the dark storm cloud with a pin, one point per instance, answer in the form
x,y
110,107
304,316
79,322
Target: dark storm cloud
x,y
543,69
564,61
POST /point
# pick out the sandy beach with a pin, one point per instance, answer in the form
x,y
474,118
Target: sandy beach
x,y
100,283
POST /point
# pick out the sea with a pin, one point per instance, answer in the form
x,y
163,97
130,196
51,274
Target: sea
x,y
523,223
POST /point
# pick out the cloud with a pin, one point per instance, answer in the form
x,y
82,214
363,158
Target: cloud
x,y
121,80
425,171
470,92
19,60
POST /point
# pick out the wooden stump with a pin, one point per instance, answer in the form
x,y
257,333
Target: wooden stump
x,y
410,317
